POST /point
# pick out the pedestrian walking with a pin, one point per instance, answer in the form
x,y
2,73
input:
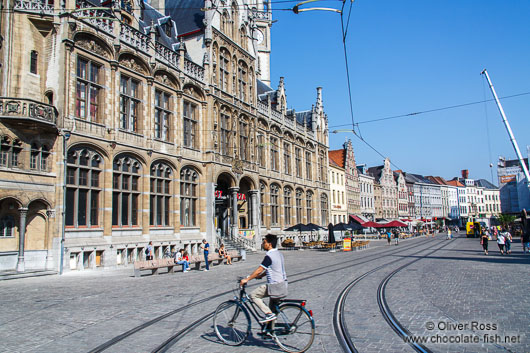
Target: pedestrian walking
x,y
449,233
149,251
484,241
396,237
206,249
388,237
508,242
525,237
501,241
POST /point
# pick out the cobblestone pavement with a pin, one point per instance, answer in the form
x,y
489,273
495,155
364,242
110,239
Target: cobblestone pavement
x,y
82,310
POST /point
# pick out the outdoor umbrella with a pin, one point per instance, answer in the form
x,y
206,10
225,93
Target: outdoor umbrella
x,y
331,236
300,227
394,224
312,226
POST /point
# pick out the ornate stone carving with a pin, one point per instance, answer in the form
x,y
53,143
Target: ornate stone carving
x,y
237,166
92,46
133,65
163,78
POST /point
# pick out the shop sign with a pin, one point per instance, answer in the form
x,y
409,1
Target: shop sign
x,y
220,196
346,244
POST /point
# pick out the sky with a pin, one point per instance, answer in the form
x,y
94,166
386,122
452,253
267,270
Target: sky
x,y
411,56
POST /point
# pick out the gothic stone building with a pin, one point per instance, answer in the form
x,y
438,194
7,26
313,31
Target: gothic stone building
x,y
147,122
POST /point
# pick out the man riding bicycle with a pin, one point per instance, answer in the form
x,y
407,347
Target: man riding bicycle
x,y
272,266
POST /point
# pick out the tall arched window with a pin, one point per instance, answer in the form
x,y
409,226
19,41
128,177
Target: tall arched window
x,y
275,204
324,209
160,199
189,180
224,69
299,195
243,140
242,80
10,152
130,103
225,24
33,64
243,38
309,206
287,197
83,189
225,126
126,192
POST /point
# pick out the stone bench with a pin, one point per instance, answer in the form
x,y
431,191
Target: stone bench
x,y
154,266
196,260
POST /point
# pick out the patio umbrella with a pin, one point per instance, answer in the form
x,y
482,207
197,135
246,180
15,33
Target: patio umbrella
x,y
395,224
331,236
300,227
312,226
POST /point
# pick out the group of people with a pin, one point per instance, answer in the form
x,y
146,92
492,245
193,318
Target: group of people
x,y
504,237
393,234
504,241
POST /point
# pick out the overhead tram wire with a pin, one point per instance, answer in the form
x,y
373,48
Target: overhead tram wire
x,y
431,110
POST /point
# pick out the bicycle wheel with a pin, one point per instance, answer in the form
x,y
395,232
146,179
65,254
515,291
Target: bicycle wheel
x,y
231,323
294,328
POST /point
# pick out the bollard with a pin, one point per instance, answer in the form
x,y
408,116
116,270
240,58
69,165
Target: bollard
x,y
243,254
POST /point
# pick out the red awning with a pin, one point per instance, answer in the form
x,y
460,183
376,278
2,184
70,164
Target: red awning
x,y
373,224
395,224
359,220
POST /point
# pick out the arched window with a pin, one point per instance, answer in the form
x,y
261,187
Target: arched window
x,y
242,80
160,199
189,180
7,226
275,204
83,189
224,69
243,38
126,191
324,209
235,20
39,157
261,151
309,206
225,24
299,194
225,126
243,140
287,197
10,152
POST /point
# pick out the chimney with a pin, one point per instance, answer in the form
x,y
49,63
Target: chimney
x,y
465,173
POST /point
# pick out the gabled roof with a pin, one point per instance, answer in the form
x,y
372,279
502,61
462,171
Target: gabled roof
x,y
338,156
376,171
332,163
437,180
455,182
187,15
304,118
485,184
262,87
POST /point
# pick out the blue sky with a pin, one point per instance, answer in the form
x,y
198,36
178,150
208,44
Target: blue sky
x,y
409,56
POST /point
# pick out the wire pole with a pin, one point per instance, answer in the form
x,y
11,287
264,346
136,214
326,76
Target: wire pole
x,y
508,128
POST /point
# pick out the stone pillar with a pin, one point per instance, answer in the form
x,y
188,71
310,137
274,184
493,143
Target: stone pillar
x,y
21,235
254,199
235,213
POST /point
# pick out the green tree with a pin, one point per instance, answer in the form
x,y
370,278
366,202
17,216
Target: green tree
x,y
506,220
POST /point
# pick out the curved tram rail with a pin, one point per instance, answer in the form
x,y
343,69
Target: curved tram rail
x,y
341,329
180,334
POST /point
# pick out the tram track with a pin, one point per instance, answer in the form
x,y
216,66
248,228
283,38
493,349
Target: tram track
x,y
181,333
340,327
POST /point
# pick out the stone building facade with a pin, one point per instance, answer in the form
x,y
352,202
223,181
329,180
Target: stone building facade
x,y
149,122
389,196
366,186
339,206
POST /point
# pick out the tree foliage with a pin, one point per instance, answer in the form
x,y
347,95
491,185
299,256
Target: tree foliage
x,y
506,220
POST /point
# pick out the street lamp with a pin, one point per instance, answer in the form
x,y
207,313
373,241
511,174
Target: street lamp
x,y
297,9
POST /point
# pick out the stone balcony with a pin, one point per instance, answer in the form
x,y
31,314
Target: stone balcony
x,y
24,110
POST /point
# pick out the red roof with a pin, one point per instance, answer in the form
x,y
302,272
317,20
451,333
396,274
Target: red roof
x,y
338,157
455,183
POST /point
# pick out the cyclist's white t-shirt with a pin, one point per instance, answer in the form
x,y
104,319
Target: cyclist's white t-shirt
x,y
273,263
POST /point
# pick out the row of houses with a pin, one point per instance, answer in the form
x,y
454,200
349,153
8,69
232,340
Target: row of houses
x,y
372,193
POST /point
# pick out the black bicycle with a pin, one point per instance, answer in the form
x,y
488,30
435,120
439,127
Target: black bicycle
x,y
293,330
